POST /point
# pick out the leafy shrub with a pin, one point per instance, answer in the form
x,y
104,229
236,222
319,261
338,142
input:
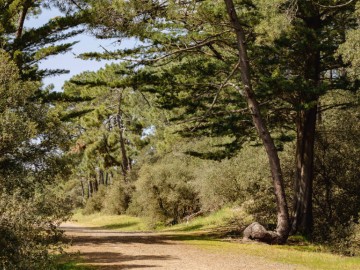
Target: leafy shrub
x,y
243,179
336,176
95,202
353,240
165,192
117,198
28,231
343,238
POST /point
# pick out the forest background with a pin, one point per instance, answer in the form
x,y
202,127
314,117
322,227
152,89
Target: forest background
x,y
243,104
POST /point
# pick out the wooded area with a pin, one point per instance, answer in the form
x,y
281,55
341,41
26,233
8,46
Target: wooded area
x,y
252,104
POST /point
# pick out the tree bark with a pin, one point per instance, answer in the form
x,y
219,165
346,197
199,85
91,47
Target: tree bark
x,y
101,177
125,159
22,18
283,225
82,189
106,179
96,184
90,188
302,220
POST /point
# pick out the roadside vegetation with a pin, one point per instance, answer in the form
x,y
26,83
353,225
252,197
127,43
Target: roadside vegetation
x,y
223,113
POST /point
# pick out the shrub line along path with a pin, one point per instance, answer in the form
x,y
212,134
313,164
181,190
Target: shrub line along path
x,y
106,249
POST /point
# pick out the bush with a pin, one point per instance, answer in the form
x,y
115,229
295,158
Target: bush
x,y
243,179
28,231
165,192
353,240
336,175
117,198
95,202
343,238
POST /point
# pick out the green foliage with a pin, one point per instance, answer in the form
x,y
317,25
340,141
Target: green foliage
x,y
234,180
115,200
110,132
26,45
31,142
165,191
28,234
95,203
224,221
337,173
351,45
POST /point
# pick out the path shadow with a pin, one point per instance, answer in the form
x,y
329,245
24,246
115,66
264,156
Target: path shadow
x,y
88,240
125,266
112,257
119,225
76,229
113,260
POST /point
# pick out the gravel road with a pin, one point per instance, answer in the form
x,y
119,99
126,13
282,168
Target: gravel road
x,y
111,250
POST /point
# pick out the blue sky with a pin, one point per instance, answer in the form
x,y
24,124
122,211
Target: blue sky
x,y
69,61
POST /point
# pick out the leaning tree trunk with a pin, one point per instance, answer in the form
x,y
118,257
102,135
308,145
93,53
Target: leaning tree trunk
x,y
302,220
283,226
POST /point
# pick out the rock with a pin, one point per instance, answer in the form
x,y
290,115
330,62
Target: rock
x,y
255,231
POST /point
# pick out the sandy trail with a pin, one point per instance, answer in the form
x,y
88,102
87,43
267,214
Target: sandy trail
x,y
121,250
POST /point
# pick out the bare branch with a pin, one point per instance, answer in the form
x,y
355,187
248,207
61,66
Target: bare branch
x,y
336,6
219,90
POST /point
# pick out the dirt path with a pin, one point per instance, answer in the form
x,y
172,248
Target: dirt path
x,y
120,250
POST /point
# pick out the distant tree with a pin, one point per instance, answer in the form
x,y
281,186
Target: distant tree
x,y
108,129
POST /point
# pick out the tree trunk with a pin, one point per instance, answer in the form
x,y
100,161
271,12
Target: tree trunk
x,y
90,189
302,220
101,177
82,189
22,18
283,226
96,185
125,160
106,179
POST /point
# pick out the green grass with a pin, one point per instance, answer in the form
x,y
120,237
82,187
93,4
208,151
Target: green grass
x,y
214,221
283,254
71,262
210,222
112,222
73,266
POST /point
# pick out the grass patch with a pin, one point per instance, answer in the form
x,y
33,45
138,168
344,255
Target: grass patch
x,y
73,266
224,218
71,262
286,254
214,221
111,222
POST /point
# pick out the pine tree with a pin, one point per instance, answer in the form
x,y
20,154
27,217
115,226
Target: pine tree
x,y
110,126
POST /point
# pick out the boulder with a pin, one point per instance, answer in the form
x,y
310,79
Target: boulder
x,y
255,231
